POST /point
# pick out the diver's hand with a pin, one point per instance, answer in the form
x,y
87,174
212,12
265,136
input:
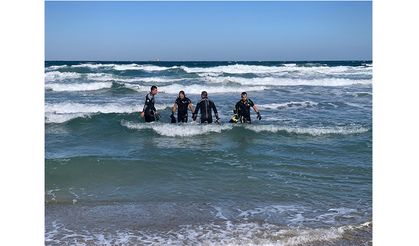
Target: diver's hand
x,y
217,118
194,117
259,117
142,114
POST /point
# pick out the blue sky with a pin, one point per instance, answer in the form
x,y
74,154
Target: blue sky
x,y
233,31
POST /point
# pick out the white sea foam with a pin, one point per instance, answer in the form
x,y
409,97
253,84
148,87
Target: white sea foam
x,y
65,111
234,69
361,93
303,104
148,68
267,210
314,131
290,65
288,68
221,80
192,129
226,233
71,108
333,213
197,89
78,86
56,75
111,77
174,130
93,65
59,76
61,118
272,81
219,213
54,67
123,67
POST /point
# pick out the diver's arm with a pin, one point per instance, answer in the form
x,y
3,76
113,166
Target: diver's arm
x,y
145,106
215,110
255,109
236,108
196,109
190,106
195,112
174,108
257,112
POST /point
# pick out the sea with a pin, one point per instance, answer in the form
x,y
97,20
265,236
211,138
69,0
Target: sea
x,y
302,175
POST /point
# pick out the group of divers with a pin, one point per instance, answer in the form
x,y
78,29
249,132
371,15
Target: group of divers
x,y
205,107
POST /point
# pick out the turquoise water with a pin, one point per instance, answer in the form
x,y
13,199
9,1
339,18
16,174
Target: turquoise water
x,y
301,175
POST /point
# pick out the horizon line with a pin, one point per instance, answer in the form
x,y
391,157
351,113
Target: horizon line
x,y
367,60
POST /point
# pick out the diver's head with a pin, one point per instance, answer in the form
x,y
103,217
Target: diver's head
x,y
204,94
153,90
181,94
244,96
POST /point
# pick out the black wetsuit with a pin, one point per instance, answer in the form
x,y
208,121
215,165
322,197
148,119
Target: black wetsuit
x,y
243,110
149,109
182,109
205,106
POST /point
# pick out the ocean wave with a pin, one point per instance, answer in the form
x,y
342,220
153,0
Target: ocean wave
x,y
56,75
227,233
111,77
124,67
193,129
78,86
93,65
69,107
50,68
147,68
362,94
259,81
239,69
304,104
272,81
287,68
233,69
65,111
61,118
174,130
313,131
60,76
197,89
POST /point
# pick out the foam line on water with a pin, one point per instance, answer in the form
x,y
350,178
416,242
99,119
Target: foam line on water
x,y
226,233
292,104
174,130
288,68
56,75
193,129
314,131
78,86
123,67
272,81
65,111
197,88
70,107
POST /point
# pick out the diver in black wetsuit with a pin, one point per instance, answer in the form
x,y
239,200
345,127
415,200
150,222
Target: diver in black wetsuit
x,y
149,112
182,104
242,109
205,106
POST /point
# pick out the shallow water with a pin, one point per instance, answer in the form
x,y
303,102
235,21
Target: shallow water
x,y
301,175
